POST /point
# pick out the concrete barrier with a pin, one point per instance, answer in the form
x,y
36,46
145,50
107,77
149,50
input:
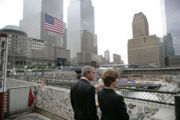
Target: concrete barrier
x,y
55,100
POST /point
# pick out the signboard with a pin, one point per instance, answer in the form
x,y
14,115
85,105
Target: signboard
x,y
3,61
61,61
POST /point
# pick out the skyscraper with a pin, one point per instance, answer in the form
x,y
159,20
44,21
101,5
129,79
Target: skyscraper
x,y
42,19
80,23
140,25
143,49
171,21
168,44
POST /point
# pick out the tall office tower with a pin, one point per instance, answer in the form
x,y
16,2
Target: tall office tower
x,y
107,56
143,49
80,23
140,25
171,21
42,19
168,44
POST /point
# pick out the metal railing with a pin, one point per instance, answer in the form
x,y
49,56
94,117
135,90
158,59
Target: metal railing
x,y
161,97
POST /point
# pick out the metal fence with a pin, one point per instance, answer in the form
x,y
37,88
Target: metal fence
x,y
161,97
150,96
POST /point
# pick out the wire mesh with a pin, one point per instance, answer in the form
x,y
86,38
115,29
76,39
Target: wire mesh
x,y
148,95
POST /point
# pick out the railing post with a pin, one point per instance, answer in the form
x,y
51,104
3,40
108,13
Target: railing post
x,y
2,106
177,107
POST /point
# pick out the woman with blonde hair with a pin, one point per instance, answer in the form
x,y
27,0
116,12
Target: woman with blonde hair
x,y
111,104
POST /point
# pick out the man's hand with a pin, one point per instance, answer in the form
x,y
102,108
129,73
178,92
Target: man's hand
x,y
97,105
99,86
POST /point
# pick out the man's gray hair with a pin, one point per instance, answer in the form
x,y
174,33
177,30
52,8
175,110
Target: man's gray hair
x,y
86,69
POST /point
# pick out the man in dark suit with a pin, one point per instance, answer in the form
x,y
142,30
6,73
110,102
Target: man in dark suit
x,y
83,96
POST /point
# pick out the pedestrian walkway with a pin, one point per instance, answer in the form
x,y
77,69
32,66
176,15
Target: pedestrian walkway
x,y
29,116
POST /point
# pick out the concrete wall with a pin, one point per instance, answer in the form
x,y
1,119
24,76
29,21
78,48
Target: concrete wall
x,y
18,100
142,110
55,100
12,83
17,96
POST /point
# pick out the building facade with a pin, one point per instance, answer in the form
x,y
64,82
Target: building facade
x,y
143,50
81,36
19,46
45,54
84,58
25,51
140,25
171,21
37,14
107,56
116,59
173,61
168,44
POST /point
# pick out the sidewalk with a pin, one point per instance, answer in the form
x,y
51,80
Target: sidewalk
x,y
29,116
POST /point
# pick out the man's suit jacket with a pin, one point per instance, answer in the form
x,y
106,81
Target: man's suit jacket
x,y
83,100
112,105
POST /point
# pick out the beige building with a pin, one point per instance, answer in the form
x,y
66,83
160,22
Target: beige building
x,y
140,25
143,50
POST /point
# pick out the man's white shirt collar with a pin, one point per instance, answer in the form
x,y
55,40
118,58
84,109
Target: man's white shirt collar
x,y
84,78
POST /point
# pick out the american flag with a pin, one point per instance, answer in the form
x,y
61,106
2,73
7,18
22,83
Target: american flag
x,y
53,24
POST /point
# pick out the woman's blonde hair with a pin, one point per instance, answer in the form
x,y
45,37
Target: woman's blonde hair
x,y
109,76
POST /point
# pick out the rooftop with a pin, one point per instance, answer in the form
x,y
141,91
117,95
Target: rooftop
x,y
13,28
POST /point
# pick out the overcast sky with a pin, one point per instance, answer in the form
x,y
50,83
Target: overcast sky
x,y
113,20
